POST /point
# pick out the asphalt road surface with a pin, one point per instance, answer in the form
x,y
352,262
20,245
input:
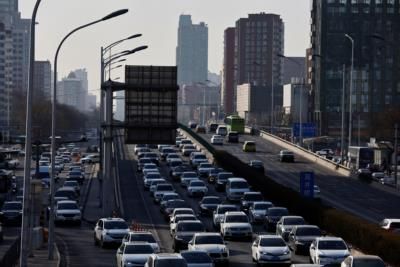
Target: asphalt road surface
x,y
372,202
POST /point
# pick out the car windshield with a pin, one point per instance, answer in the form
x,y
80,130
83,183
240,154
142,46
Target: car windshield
x,y
144,161
75,173
211,200
395,225
308,231
189,147
332,245
67,206
189,174
200,157
165,187
168,150
262,206
277,212
190,227
70,183
115,225
209,239
253,197
138,249
150,166
224,176
368,263
196,257
65,193
197,183
185,218
173,156
239,185
176,204
151,155
170,262
293,221
142,237
237,219
153,175
170,197
12,206
272,242
222,210
206,165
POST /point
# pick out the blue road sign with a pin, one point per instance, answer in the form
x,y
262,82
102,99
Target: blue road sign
x,y
308,129
307,184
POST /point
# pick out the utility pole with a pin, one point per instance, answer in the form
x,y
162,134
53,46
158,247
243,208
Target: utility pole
x,y
343,112
396,127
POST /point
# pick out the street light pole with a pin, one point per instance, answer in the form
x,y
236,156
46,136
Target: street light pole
x,y
53,127
343,111
351,86
26,228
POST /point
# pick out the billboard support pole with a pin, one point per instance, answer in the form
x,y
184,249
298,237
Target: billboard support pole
x,y
107,151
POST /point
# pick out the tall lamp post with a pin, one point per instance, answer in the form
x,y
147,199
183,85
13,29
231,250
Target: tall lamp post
x,y
26,228
53,126
351,86
301,97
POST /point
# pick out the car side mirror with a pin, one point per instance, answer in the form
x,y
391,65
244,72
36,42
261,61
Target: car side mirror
x,y
119,251
254,244
312,247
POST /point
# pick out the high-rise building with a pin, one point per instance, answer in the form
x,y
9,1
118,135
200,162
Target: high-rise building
x,y
14,58
42,80
192,51
373,27
70,92
258,40
293,67
228,72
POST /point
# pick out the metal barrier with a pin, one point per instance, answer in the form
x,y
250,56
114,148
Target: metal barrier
x,y
11,257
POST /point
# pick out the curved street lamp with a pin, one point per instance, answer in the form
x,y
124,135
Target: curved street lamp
x,y
53,125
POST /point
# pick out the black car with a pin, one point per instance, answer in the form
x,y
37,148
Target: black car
x,y
274,214
209,204
173,204
286,156
11,213
222,178
212,174
76,176
184,232
249,198
213,127
258,165
233,137
301,237
176,172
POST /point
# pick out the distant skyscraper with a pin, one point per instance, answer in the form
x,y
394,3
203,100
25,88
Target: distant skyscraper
x,y
228,73
70,92
258,39
42,80
14,58
192,51
293,67
374,25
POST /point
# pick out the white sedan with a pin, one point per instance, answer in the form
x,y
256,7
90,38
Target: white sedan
x,y
328,250
133,254
217,139
197,188
270,249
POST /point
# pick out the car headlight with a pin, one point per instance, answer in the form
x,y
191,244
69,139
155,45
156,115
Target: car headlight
x,y
286,252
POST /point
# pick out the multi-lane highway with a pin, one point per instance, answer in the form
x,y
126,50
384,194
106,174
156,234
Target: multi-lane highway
x,y
372,202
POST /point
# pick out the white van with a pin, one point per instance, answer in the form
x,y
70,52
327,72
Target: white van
x,y
222,130
235,188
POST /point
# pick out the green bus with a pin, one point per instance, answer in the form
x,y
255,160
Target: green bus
x,y
235,123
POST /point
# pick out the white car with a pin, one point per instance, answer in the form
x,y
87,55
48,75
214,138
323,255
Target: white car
x,y
258,211
149,167
110,231
213,244
363,260
219,214
143,236
235,188
390,224
188,149
197,188
236,224
196,158
186,177
179,218
328,250
161,189
67,211
204,169
182,211
217,139
153,184
173,156
270,249
285,225
133,254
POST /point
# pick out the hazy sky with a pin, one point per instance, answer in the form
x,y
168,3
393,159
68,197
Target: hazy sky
x,y
157,20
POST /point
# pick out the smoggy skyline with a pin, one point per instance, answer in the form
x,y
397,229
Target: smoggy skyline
x,y
157,20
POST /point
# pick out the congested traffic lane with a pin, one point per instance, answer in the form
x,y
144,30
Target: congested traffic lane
x,y
371,202
139,207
